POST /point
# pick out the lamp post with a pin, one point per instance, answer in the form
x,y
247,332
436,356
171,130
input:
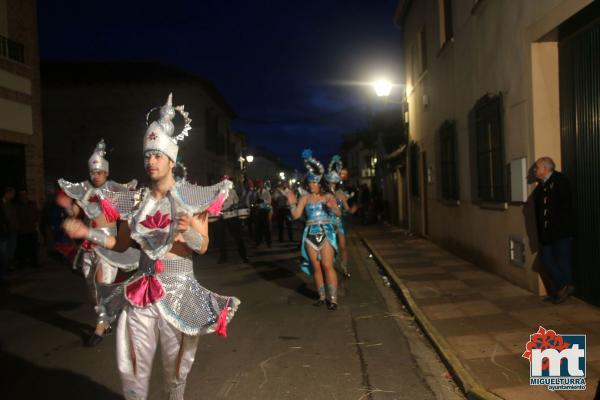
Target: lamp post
x,y
383,88
244,160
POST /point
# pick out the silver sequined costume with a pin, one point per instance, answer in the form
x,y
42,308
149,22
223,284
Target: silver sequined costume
x,y
90,258
164,298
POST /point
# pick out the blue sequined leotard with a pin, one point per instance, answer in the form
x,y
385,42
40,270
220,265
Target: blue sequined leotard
x,y
319,228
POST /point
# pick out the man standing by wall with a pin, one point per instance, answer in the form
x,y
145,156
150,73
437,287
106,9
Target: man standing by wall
x,y
554,218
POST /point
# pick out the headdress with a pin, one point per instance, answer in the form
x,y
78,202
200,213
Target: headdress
x,y
97,162
335,166
314,167
159,134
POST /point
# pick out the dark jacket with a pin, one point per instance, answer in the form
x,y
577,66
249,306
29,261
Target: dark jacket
x,y
553,209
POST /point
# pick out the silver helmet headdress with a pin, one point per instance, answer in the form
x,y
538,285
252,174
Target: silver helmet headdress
x,y
97,162
160,134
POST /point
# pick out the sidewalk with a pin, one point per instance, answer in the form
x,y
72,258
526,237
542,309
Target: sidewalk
x,y
478,321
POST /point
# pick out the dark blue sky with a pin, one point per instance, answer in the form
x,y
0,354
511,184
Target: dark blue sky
x,y
285,66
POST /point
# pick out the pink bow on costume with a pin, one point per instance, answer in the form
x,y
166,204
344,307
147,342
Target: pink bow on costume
x,y
144,291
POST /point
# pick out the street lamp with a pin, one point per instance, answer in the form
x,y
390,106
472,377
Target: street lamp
x,y
243,160
382,87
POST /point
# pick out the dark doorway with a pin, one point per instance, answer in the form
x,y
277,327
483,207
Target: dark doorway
x,y
579,74
13,163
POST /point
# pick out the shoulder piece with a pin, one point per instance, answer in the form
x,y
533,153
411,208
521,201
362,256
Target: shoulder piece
x,y
76,191
196,199
119,187
123,201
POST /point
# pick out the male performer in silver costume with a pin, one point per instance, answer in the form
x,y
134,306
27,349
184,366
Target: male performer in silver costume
x,y
165,302
99,266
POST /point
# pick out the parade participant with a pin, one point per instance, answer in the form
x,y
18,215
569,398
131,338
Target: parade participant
x,y
99,266
283,211
248,198
263,213
229,221
333,179
319,243
166,303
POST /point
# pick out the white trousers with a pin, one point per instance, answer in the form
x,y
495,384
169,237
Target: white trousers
x,y
138,334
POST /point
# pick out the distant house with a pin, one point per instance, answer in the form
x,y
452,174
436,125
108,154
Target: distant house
x,y
84,102
21,149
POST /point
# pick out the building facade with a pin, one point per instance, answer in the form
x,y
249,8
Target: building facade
x,y
85,102
491,86
21,143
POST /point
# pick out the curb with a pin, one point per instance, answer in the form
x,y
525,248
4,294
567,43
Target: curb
x,y
462,376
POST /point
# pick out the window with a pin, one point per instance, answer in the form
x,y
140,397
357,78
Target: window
x,y
12,50
489,145
448,161
414,169
445,15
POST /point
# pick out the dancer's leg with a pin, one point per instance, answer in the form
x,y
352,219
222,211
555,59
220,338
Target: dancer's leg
x,y
137,338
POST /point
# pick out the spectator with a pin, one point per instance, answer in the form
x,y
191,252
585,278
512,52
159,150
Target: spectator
x,y
554,216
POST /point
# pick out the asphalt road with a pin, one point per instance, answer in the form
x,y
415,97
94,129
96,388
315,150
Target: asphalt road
x,y
279,345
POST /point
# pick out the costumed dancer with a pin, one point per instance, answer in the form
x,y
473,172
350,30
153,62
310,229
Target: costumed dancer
x,y
100,267
319,242
333,179
166,303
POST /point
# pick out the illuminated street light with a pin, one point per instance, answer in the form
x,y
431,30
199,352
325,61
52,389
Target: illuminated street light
x,y
249,158
382,87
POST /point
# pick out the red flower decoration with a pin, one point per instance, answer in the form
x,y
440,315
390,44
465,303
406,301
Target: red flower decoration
x,y
152,136
158,221
94,199
544,339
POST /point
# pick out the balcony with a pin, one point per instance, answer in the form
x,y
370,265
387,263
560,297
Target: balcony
x,y
12,50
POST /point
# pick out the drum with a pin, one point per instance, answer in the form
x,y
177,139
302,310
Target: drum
x,y
243,213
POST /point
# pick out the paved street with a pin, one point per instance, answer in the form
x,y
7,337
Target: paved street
x,y
279,345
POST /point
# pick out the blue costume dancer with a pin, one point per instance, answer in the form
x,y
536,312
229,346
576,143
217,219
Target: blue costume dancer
x,y
334,181
319,242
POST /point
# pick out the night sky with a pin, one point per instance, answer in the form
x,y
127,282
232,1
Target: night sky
x,y
290,69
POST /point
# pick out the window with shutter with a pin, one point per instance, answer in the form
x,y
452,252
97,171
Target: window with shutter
x,y
491,185
448,161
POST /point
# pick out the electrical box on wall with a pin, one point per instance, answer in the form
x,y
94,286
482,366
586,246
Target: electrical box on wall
x,y
516,249
518,180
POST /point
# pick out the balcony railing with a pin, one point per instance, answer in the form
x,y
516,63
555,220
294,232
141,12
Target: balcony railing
x,y
12,50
